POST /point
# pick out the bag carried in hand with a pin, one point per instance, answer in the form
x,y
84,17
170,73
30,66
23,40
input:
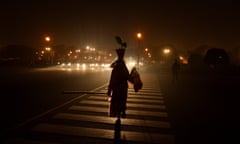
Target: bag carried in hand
x,y
135,79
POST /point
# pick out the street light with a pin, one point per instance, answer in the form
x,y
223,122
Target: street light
x,y
146,49
48,49
166,52
47,39
139,37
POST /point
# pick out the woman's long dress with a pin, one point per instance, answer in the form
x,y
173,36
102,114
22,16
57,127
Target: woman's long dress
x,y
118,89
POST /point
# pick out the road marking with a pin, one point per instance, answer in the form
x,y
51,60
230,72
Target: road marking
x,y
129,111
110,120
129,99
139,93
146,122
104,133
129,105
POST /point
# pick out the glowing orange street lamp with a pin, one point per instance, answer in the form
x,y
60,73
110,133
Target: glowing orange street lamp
x,y
47,39
166,52
50,52
139,37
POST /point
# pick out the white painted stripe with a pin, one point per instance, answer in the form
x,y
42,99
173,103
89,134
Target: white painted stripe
x,y
110,120
139,93
146,90
129,104
104,133
129,99
135,96
145,97
146,100
128,111
147,93
143,88
94,97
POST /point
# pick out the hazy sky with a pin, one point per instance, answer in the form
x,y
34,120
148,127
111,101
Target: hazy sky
x,y
183,24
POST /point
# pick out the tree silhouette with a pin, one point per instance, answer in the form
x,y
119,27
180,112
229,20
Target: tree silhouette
x,y
216,56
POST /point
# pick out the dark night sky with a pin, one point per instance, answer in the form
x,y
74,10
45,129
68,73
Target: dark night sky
x,y
184,24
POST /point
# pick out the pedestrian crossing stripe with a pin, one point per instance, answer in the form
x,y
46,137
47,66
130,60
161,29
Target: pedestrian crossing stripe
x,y
128,111
129,99
104,133
144,90
129,105
139,93
147,103
147,89
110,120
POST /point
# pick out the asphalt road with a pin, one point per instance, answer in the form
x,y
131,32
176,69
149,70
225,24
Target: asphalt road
x,y
202,106
27,92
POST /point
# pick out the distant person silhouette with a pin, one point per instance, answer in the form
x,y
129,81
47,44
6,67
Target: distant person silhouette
x,y
135,79
118,85
175,70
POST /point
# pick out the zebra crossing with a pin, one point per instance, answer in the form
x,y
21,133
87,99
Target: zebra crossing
x,y
87,121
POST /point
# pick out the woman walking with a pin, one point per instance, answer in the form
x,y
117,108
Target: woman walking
x,y
118,85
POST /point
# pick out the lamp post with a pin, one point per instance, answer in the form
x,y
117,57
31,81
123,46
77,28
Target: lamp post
x,y
139,37
166,52
48,49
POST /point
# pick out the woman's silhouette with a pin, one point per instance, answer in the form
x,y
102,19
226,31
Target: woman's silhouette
x,y
118,85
